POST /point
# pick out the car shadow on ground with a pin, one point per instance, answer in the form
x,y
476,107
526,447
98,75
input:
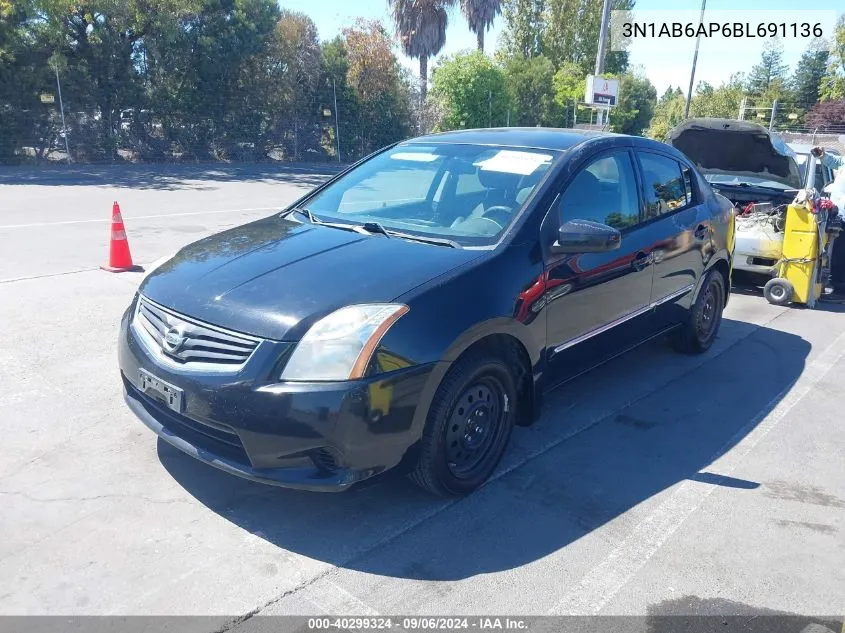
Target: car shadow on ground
x,y
166,176
564,489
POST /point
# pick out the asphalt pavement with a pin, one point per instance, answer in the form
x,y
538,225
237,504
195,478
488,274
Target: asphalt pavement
x,y
658,483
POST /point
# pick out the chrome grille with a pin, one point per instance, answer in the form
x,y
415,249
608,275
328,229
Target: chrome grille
x,y
186,340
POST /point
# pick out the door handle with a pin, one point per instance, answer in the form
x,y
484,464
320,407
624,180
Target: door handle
x,y
640,261
701,231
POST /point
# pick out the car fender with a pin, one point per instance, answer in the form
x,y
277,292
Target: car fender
x,y
719,257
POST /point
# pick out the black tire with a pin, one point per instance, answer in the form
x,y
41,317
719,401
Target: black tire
x,y
474,408
778,291
697,334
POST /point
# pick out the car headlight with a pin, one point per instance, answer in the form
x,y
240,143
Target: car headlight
x,y
339,346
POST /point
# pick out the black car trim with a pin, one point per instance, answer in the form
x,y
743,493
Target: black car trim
x,y
602,328
623,319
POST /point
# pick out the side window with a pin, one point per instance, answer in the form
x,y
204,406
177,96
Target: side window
x,y
603,191
666,187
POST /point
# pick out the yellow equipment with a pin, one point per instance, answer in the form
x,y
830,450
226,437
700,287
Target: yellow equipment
x,y
803,269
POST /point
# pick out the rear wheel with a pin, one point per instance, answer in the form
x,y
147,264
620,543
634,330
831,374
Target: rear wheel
x,y
696,336
468,426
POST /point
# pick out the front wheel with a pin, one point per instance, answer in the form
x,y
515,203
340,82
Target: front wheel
x,y
468,426
697,334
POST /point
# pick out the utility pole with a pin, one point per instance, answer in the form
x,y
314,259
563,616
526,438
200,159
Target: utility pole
x,y
62,109
336,118
605,23
694,60
489,108
774,112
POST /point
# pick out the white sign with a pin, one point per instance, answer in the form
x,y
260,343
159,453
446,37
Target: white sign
x,y
47,98
601,91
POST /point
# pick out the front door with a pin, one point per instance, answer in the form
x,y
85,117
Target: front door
x,y
601,299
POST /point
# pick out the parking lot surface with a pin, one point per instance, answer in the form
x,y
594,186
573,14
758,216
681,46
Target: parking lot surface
x,y
658,483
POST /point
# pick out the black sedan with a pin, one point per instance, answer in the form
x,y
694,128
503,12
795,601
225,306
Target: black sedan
x,y
412,310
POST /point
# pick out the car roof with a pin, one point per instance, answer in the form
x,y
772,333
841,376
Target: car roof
x,y
533,137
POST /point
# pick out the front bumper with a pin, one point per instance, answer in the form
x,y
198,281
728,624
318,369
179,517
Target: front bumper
x,y
312,436
758,249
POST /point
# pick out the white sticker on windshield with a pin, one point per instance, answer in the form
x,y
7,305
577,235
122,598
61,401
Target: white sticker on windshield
x,y
514,162
417,157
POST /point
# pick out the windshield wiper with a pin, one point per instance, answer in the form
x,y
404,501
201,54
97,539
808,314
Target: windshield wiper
x,y
439,241
313,219
369,228
375,227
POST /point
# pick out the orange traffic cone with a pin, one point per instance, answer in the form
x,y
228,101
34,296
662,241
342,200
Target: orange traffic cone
x,y
120,259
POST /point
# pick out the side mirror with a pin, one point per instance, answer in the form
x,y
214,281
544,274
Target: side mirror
x,y
585,236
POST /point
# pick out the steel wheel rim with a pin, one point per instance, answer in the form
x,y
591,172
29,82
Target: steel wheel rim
x,y
474,426
708,314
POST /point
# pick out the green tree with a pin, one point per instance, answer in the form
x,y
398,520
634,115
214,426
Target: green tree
x,y
200,73
471,92
480,15
668,113
571,31
722,102
530,84
522,35
334,86
833,83
421,29
808,75
770,71
379,86
568,85
23,72
637,100
294,58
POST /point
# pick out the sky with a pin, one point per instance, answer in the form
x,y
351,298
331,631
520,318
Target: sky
x,y
665,65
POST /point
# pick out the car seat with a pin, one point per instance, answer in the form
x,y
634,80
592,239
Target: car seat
x,y
501,191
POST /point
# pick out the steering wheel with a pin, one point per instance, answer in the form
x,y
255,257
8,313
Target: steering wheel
x,y
500,214
481,226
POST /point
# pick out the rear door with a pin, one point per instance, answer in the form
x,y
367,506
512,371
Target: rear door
x,y
597,303
680,225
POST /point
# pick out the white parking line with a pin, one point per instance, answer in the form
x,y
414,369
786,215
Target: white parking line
x,y
605,580
138,217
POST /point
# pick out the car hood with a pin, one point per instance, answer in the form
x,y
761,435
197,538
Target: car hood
x,y
274,277
736,148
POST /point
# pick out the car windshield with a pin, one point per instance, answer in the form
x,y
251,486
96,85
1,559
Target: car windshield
x,y
469,194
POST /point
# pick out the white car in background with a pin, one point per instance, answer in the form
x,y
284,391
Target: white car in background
x,y
759,173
